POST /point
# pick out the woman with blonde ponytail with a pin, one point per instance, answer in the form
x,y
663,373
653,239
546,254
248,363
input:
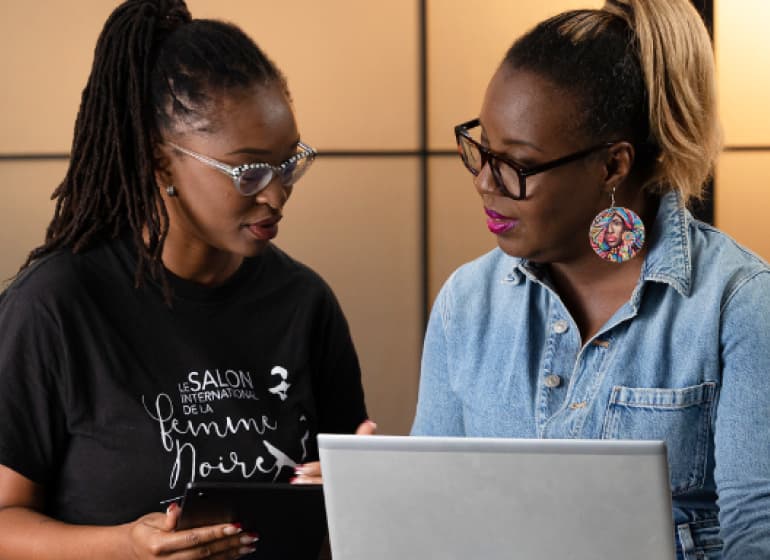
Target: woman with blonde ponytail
x,y
585,325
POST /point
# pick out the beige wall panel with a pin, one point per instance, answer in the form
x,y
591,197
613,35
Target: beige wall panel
x,y
351,66
466,42
25,209
356,222
743,199
458,231
47,48
742,45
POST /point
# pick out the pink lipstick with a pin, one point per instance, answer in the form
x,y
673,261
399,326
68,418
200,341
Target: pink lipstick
x,y
497,223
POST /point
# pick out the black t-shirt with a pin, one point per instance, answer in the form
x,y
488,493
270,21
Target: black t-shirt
x,y
113,401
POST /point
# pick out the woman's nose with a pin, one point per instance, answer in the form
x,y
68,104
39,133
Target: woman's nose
x,y
275,194
484,181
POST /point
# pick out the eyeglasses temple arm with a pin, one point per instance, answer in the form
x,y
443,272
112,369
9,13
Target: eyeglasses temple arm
x,y
208,161
561,161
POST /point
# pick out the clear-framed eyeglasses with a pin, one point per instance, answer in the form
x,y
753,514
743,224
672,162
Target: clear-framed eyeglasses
x,y
510,177
251,178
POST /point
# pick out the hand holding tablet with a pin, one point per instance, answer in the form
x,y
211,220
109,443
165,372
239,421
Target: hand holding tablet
x,y
289,519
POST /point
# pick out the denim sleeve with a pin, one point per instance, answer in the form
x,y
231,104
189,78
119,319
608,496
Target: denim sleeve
x,y
742,429
439,412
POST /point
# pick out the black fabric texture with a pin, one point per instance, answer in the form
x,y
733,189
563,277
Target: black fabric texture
x,y
113,401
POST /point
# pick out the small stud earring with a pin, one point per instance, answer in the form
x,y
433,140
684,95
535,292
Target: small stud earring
x,y
171,190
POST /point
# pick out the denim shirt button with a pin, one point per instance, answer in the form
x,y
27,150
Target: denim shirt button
x,y
552,381
560,326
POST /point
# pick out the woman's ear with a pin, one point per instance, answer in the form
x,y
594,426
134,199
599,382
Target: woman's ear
x,y
163,176
620,160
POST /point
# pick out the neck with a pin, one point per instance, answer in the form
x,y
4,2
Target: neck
x,y
593,289
199,262
208,268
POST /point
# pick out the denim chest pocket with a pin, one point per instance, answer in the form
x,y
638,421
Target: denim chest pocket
x,y
680,417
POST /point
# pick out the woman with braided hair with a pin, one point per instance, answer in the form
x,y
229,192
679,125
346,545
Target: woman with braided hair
x,y
157,336
596,131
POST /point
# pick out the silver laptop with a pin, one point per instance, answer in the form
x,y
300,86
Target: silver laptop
x,y
402,498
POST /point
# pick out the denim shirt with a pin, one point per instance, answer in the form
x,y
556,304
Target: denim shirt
x,y
685,360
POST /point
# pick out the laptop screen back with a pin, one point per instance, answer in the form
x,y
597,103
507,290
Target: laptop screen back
x,y
399,497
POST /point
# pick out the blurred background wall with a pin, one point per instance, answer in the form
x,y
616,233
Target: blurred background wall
x,y
388,211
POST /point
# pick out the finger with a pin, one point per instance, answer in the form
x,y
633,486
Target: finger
x,y
233,553
155,521
308,469
367,428
245,544
209,540
173,511
307,480
309,473
230,547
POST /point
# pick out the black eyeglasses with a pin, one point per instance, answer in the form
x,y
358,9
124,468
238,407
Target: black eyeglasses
x,y
252,178
511,178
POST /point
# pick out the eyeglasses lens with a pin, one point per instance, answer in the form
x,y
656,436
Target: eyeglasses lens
x,y
295,170
471,155
506,178
504,175
254,180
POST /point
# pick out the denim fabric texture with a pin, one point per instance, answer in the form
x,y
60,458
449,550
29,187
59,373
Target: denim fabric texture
x,y
685,360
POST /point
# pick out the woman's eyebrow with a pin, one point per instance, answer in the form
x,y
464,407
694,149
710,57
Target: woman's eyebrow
x,y
509,141
257,151
516,142
250,151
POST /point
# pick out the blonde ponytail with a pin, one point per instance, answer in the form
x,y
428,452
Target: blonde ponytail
x,y
677,64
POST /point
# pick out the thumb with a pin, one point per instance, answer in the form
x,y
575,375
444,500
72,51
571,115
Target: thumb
x,y
367,428
172,517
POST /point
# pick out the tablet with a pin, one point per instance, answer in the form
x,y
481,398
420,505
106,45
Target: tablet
x,y
289,519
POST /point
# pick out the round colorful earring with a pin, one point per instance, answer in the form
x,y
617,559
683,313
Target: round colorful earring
x,y
617,233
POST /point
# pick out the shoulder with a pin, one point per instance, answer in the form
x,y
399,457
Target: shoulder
x,y
31,307
706,237
718,258
281,266
63,276
48,276
473,285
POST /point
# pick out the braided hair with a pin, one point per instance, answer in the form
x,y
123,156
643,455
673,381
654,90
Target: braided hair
x,y
154,66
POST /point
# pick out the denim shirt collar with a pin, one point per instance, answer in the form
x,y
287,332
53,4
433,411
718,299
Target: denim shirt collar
x,y
668,258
